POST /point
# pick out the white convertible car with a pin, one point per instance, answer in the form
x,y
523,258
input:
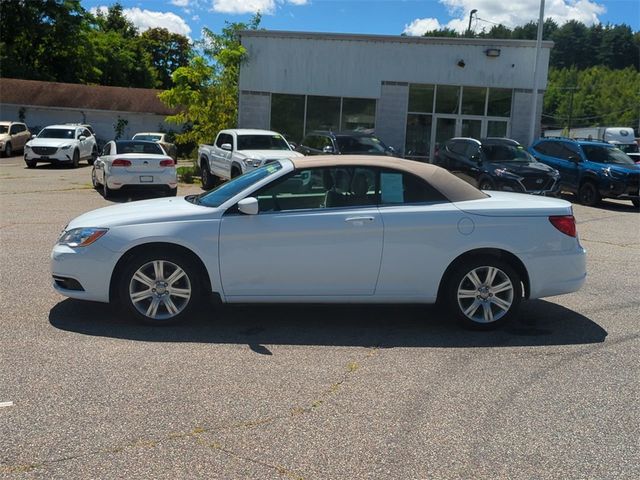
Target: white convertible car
x,y
134,164
326,229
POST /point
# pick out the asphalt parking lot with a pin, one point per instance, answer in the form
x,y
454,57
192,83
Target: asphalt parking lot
x,y
294,392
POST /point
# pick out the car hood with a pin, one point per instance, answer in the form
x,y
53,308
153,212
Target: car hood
x,y
142,212
508,204
521,168
264,154
4,136
50,142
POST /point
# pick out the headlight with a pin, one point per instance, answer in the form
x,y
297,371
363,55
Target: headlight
x,y
502,172
613,174
27,147
81,237
252,162
65,147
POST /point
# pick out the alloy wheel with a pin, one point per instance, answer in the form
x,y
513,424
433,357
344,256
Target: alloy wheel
x,y
160,290
485,294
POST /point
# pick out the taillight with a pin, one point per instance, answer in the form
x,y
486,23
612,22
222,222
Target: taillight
x,y
120,162
565,223
167,163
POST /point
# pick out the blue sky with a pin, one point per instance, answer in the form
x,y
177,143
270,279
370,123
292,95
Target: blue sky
x,y
385,17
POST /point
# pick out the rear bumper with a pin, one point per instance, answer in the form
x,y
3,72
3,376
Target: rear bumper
x,y
152,181
556,273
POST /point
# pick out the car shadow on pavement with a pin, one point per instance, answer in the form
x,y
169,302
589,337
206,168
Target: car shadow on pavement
x,y
540,323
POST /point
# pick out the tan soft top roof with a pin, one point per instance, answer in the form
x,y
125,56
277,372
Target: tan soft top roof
x,y
453,188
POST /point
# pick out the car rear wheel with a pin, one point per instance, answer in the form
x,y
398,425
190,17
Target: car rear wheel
x,y
8,150
484,293
160,288
588,194
636,202
106,191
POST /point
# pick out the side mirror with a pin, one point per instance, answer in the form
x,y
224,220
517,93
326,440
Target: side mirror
x,y
82,138
574,159
248,206
293,145
33,136
226,146
477,159
327,149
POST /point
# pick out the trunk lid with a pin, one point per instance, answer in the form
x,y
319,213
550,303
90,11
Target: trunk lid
x,y
508,204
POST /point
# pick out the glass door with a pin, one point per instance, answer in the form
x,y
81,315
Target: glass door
x,y
471,128
445,128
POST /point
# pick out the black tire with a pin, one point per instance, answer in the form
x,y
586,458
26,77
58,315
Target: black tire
x,y
94,155
589,194
75,160
144,262
485,183
8,150
235,172
31,163
636,202
208,180
172,192
492,308
94,180
106,191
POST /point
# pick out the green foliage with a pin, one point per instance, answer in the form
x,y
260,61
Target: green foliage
x,y
205,92
58,40
188,174
119,127
601,96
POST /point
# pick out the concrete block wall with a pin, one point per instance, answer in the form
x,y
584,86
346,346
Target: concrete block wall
x,y
391,114
254,110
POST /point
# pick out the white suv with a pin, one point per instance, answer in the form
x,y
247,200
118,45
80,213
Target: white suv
x,y
64,144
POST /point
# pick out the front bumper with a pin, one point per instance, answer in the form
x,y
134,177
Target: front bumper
x,y
551,187
621,190
59,156
88,267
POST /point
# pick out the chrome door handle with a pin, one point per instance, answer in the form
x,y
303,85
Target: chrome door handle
x,y
359,220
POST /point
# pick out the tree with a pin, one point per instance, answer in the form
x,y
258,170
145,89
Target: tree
x,y
168,51
205,92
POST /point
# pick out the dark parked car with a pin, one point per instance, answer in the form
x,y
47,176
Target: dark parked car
x,y
497,164
592,170
343,143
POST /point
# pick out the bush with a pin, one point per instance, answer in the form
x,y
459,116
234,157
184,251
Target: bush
x,y
188,174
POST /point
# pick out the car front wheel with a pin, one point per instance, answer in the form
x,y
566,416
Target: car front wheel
x,y
208,180
160,288
484,293
588,194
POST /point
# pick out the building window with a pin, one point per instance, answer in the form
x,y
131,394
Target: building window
x,y
323,113
473,100
471,128
421,98
418,138
499,102
358,114
447,99
496,128
287,115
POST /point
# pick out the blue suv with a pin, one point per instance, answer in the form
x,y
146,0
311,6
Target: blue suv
x,y
592,170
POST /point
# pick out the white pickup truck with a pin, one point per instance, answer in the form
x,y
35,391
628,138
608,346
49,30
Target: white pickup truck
x,y
236,151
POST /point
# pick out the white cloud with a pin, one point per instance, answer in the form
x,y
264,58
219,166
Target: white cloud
x,y
146,19
510,14
266,7
419,26
180,3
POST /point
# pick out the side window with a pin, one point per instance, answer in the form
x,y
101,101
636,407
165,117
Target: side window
x,y
457,147
546,148
398,188
107,149
22,127
86,133
14,129
471,149
319,188
307,141
566,150
224,138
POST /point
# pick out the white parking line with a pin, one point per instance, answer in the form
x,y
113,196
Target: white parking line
x,y
6,404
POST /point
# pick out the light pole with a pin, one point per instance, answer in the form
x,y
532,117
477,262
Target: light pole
x,y
534,93
475,10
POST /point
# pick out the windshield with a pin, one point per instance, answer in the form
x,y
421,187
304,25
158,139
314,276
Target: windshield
x,y
224,192
132,146
628,147
4,129
153,138
361,145
57,133
602,154
506,153
262,142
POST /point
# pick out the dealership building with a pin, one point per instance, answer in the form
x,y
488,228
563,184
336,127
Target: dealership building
x,y
414,92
